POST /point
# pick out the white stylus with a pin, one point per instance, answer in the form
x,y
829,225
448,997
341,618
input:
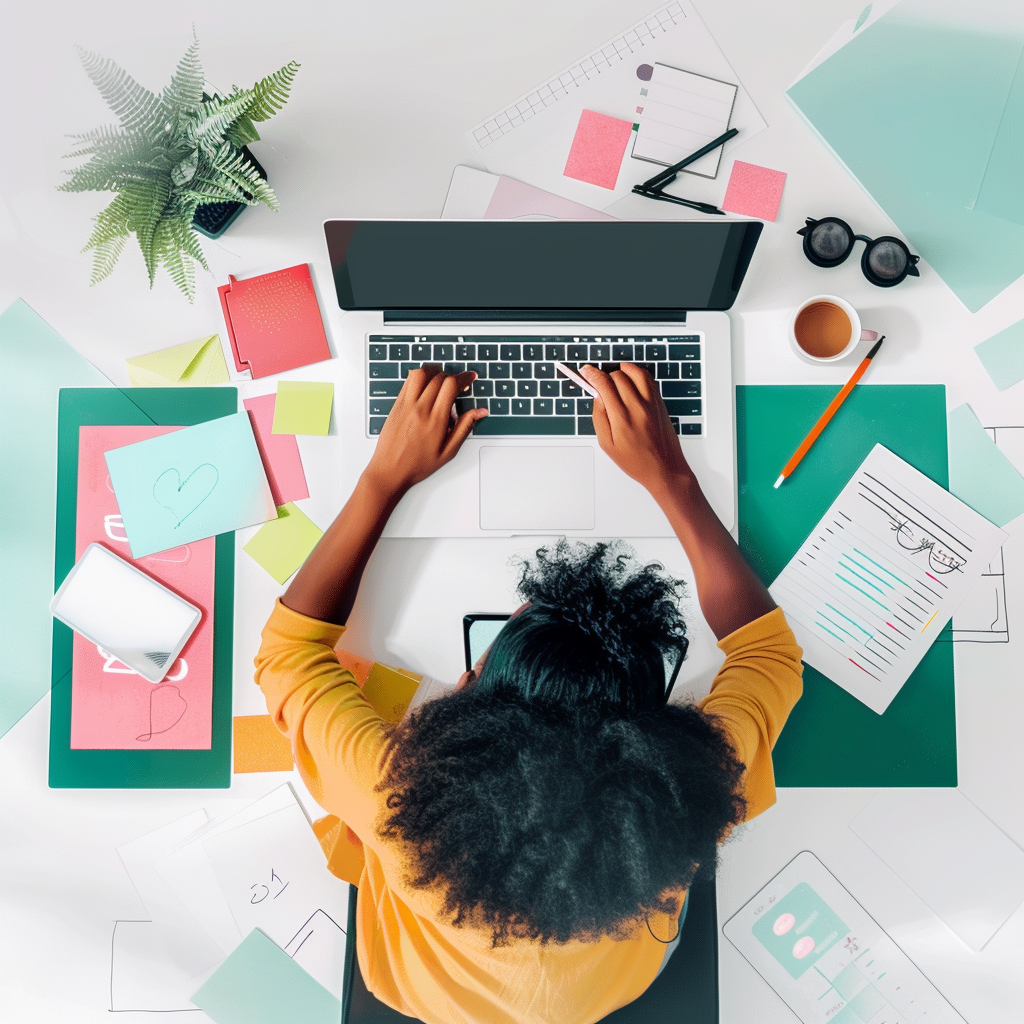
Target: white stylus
x,y
577,379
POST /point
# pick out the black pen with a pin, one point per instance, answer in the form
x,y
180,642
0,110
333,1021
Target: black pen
x,y
654,186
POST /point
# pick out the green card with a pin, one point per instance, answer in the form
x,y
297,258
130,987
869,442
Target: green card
x,y
283,544
980,475
831,738
35,363
303,407
261,984
1002,355
137,769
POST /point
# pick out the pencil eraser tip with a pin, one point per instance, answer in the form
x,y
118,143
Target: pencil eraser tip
x,y
778,483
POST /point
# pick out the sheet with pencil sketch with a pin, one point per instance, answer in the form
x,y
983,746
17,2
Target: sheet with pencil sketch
x,y
880,576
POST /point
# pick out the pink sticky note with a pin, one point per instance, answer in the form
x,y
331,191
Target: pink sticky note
x,y
113,708
754,191
597,148
279,452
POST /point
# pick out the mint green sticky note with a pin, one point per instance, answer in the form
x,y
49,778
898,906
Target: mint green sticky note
x,y
302,407
980,475
1002,190
1002,355
35,363
261,984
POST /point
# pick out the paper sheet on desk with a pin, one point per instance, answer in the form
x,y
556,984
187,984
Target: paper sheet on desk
x,y
880,576
529,139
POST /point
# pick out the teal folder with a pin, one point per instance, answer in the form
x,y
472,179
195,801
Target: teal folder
x,y
924,108
137,769
831,739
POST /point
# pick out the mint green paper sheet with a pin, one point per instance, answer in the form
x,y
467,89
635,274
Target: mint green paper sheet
x,y
190,484
980,475
1002,355
920,108
261,984
35,362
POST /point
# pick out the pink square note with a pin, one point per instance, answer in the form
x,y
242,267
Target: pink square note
x,y
279,452
754,191
597,148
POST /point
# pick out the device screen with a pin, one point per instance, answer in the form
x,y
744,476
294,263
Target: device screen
x,y
552,265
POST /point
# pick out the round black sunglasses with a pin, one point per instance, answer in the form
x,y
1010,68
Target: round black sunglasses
x,y
886,260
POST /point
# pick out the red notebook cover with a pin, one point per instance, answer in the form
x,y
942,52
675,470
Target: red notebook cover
x,y
274,321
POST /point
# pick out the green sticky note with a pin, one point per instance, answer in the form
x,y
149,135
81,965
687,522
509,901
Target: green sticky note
x,y
302,407
261,984
980,475
35,362
1002,355
1002,191
283,544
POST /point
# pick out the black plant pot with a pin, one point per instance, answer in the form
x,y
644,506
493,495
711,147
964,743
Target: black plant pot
x,y
212,219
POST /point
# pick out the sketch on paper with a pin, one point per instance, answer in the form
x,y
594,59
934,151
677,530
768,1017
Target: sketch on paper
x,y
983,618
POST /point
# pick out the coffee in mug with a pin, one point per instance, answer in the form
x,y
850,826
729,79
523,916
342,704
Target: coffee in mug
x,y
826,328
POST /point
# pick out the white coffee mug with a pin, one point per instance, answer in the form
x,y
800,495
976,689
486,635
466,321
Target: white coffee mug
x,y
856,333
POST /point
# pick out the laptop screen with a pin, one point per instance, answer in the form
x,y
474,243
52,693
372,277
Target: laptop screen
x,y
513,266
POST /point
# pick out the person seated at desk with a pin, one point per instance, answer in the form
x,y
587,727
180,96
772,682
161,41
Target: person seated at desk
x,y
524,846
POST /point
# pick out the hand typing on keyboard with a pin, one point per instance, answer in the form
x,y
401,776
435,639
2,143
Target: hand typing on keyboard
x,y
633,426
422,432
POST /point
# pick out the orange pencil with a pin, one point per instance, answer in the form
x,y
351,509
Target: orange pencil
x,y
818,427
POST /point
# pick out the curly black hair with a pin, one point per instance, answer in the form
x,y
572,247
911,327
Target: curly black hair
x,y
561,798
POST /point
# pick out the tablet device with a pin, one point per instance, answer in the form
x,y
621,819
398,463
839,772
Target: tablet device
x,y
126,612
479,632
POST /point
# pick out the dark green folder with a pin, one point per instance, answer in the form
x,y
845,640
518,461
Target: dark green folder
x,y
137,769
831,739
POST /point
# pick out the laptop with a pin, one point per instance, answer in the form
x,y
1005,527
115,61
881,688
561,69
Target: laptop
x,y
509,299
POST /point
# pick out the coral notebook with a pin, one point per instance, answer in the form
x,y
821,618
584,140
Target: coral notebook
x,y
274,321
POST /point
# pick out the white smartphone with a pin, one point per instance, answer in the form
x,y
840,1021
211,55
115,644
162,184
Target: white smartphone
x,y
118,607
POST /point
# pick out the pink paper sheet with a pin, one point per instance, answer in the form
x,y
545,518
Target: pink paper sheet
x,y
279,452
754,191
512,198
113,708
597,149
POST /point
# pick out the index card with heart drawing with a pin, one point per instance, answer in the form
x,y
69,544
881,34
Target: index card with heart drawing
x,y
190,484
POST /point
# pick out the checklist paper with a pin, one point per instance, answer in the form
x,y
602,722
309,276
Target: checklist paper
x,y
880,576
679,112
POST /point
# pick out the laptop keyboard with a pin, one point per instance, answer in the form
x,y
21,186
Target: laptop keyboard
x,y
518,383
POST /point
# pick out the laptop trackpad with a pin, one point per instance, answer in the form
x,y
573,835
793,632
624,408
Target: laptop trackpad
x,y
542,487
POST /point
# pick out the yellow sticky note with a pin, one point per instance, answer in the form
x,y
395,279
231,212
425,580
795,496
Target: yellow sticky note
x,y
192,364
283,544
389,691
302,407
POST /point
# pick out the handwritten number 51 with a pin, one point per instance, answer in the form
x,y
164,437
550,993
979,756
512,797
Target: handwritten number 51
x,y
259,897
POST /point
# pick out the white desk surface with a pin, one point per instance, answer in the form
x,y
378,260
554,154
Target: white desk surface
x,y
374,128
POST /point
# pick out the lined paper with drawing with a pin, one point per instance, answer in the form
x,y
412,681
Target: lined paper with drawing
x,y
880,576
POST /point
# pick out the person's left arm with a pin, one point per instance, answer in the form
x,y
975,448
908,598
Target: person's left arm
x,y
312,699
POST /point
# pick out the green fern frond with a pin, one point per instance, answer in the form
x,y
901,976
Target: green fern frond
x,y
105,257
181,269
135,106
185,91
270,94
208,125
241,132
147,200
110,223
237,168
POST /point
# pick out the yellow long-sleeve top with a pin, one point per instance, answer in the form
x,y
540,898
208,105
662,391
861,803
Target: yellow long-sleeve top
x,y
414,961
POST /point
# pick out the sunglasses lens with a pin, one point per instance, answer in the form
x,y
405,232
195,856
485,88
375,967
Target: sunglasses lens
x,y
887,261
829,240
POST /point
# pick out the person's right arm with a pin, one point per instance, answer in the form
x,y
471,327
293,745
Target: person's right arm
x,y
761,679
633,427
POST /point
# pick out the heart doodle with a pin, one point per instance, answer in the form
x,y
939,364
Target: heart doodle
x,y
167,707
182,497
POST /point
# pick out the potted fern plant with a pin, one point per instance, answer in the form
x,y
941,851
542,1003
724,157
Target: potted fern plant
x,y
178,162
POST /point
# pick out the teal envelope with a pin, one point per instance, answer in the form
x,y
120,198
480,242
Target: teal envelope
x,y
190,484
